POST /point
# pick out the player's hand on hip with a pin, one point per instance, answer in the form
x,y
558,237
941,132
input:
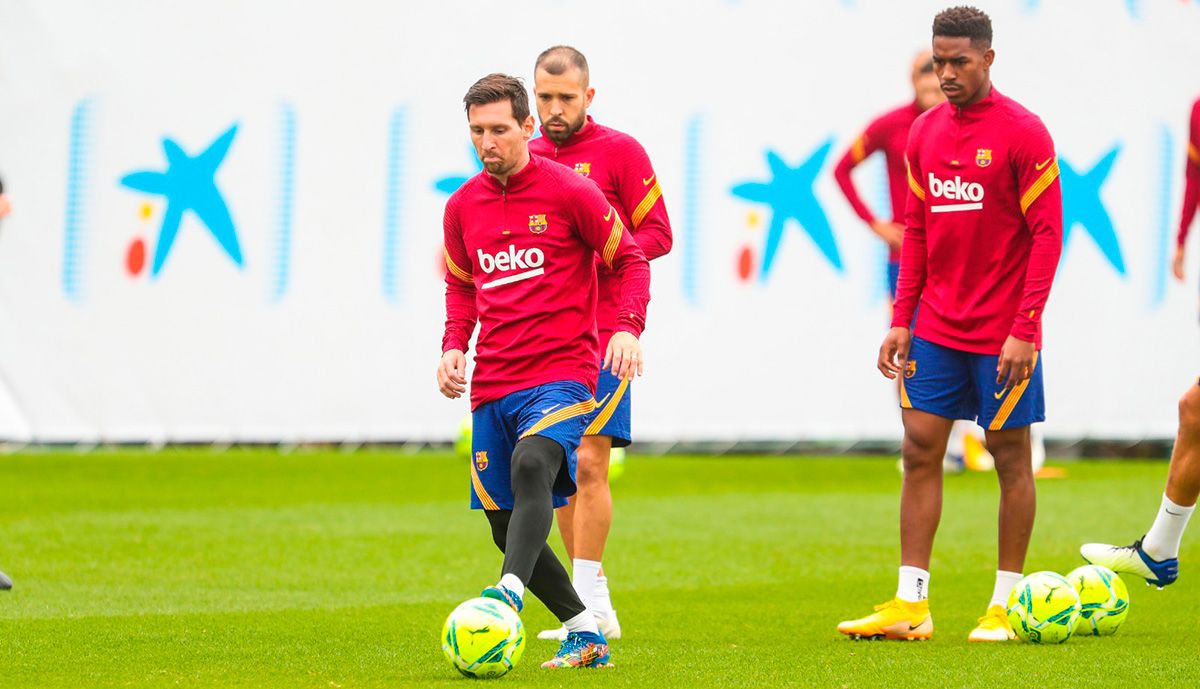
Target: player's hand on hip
x,y
623,356
1016,363
452,373
1177,263
890,232
894,352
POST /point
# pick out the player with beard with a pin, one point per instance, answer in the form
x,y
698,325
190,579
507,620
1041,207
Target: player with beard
x,y
618,164
521,244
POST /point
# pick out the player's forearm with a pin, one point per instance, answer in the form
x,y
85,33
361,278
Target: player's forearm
x,y
1191,199
654,236
1039,276
845,182
461,315
633,274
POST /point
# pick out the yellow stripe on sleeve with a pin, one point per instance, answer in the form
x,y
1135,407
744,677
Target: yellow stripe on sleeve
x,y
1194,154
454,269
606,413
485,499
614,240
913,183
1039,186
643,208
859,150
1010,402
585,407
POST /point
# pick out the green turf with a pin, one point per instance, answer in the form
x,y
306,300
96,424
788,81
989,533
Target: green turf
x,y
256,569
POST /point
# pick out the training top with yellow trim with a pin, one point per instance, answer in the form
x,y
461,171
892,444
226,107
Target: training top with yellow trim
x,y
521,261
1191,190
618,164
887,133
983,226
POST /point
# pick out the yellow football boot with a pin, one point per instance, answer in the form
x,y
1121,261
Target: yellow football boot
x,y
993,626
895,619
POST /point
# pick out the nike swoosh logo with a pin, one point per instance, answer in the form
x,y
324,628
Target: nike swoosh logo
x,y
547,410
646,182
1043,164
608,214
1174,514
913,627
998,395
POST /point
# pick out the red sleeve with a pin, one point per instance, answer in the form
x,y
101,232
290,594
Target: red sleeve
x,y
461,310
600,227
913,253
637,187
1191,189
863,147
1036,168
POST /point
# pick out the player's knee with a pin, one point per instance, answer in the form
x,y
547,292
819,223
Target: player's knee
x,y
593,471
1189,410
920,451
534,462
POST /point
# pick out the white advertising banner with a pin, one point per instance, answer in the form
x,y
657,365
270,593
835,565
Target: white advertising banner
x,y
226,215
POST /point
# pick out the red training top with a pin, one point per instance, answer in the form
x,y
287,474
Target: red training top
x,y
520,260
887,133
1191,191
983,226
619,165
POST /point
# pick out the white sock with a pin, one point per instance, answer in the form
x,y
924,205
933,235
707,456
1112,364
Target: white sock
x,y
583,622
513,583
584,573
914,584
601,601
1005,581
1162,540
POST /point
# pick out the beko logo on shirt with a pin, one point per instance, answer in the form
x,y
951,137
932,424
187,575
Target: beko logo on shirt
x,y
528,261
955,190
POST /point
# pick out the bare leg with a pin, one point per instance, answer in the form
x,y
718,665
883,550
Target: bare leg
x,y
1183,478
924,445
1018,496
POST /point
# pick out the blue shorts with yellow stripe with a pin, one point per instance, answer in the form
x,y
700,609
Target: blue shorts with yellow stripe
x,y
558,411
613,410
962,385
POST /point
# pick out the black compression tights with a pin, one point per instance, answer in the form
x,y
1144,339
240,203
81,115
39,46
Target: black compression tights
x,y
521,533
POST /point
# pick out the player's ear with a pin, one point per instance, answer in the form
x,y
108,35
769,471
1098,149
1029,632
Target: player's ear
x,y
588,95
989,56
527,127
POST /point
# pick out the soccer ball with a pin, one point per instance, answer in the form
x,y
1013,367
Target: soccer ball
x,y
1104,598
1043,608
483,638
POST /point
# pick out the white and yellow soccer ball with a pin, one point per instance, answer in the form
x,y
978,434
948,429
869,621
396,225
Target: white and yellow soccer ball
x,y
1043,608
483,638
1104,600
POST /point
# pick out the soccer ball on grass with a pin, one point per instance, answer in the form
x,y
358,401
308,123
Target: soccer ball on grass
x,y
1043,608
483,638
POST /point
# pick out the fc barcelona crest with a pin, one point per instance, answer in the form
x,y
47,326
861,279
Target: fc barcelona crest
x,y
537,223
910,370
481,460
983,157
584,169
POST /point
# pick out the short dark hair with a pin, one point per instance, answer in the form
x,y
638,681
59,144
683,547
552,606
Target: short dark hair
x,y
497,87
558,59
964,22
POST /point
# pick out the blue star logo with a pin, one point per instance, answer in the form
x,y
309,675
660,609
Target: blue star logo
x,y
1082,206
450,184
790,196
189,184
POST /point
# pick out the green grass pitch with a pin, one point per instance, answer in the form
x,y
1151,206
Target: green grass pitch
x,y
251,568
